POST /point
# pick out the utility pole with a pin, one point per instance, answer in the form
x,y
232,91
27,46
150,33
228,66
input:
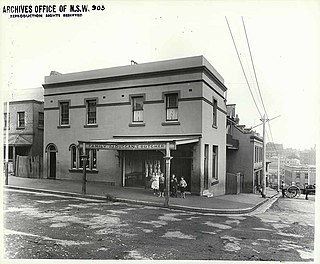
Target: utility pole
x,y
167,190
84,164
278,170
264,172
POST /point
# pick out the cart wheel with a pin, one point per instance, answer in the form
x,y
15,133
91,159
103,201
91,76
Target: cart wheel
x,y
292,191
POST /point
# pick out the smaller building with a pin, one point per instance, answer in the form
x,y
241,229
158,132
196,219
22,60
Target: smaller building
x,y
26,126
244,154
300,175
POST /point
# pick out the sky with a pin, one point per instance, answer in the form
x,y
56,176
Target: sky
x,y
283,36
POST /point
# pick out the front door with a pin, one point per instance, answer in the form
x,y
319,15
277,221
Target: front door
x,y
52,170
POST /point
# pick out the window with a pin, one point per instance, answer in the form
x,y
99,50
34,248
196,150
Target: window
x,y
214,112
5,120
137,109
41,120
172,107
91,112
21,120
76,159
215,162
73,149
64,113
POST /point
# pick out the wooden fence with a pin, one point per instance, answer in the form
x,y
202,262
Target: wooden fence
x,y
29,167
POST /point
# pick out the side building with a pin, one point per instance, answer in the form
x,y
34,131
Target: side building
x,y
127,115
26,130
244,155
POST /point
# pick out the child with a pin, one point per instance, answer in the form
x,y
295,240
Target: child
x,y
161,185
155,183
182,185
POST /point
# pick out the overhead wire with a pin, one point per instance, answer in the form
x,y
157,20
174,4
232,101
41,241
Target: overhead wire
x,y
257,82
235,46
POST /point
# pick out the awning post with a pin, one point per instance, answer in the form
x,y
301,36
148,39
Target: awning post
x,y
167,190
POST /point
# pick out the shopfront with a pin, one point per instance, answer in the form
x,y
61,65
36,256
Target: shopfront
x,y
141,158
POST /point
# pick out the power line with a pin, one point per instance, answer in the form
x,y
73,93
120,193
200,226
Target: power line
x,y
235,46
254,70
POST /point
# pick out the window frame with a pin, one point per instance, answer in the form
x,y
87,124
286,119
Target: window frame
x,y
215,164
21,125
214,112
168,107
41,120
6,125
61,118
87,101
132,101
75,156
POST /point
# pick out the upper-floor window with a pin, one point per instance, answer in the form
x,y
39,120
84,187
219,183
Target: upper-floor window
x,y
91,111
64,113
172,107
5,120
137,109
41,120
21,120
214,112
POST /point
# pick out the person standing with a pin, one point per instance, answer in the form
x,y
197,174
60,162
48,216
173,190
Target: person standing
x,y
155,183
173,186
161,185
183,184
283,189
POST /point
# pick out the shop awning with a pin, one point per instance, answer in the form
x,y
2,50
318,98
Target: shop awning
x,y
139,143
19,140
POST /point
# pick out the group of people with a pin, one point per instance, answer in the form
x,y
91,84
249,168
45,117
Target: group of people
x,y
158,185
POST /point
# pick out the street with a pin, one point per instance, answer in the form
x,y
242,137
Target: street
x,y
45,226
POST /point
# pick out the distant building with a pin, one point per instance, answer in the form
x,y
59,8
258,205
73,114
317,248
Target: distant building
x,y
274,149
244,153
299,174
26,127
308,156
127,115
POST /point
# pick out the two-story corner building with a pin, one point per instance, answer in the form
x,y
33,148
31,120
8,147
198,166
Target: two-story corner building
x,y
244,152
26,124
127,115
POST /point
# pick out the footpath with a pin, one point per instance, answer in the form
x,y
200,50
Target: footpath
x,y
242,203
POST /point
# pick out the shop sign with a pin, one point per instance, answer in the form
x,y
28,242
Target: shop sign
x,y
129,146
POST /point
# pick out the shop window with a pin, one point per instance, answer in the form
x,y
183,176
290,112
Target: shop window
x,y
215,162
77,162
64,113
91,111
21,120
41,120
73,149
214,112
172,107
137,109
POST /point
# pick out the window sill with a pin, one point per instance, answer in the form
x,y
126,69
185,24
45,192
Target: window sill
x,y
81,170
171,123
63,126
142,124
40,128
90,125
20,128
214,182
214,126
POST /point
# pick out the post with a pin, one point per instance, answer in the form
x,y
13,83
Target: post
x,y
7,147
278,173
264,174
84,164
167,190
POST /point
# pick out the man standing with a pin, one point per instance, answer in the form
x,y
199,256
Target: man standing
x,y
283,188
